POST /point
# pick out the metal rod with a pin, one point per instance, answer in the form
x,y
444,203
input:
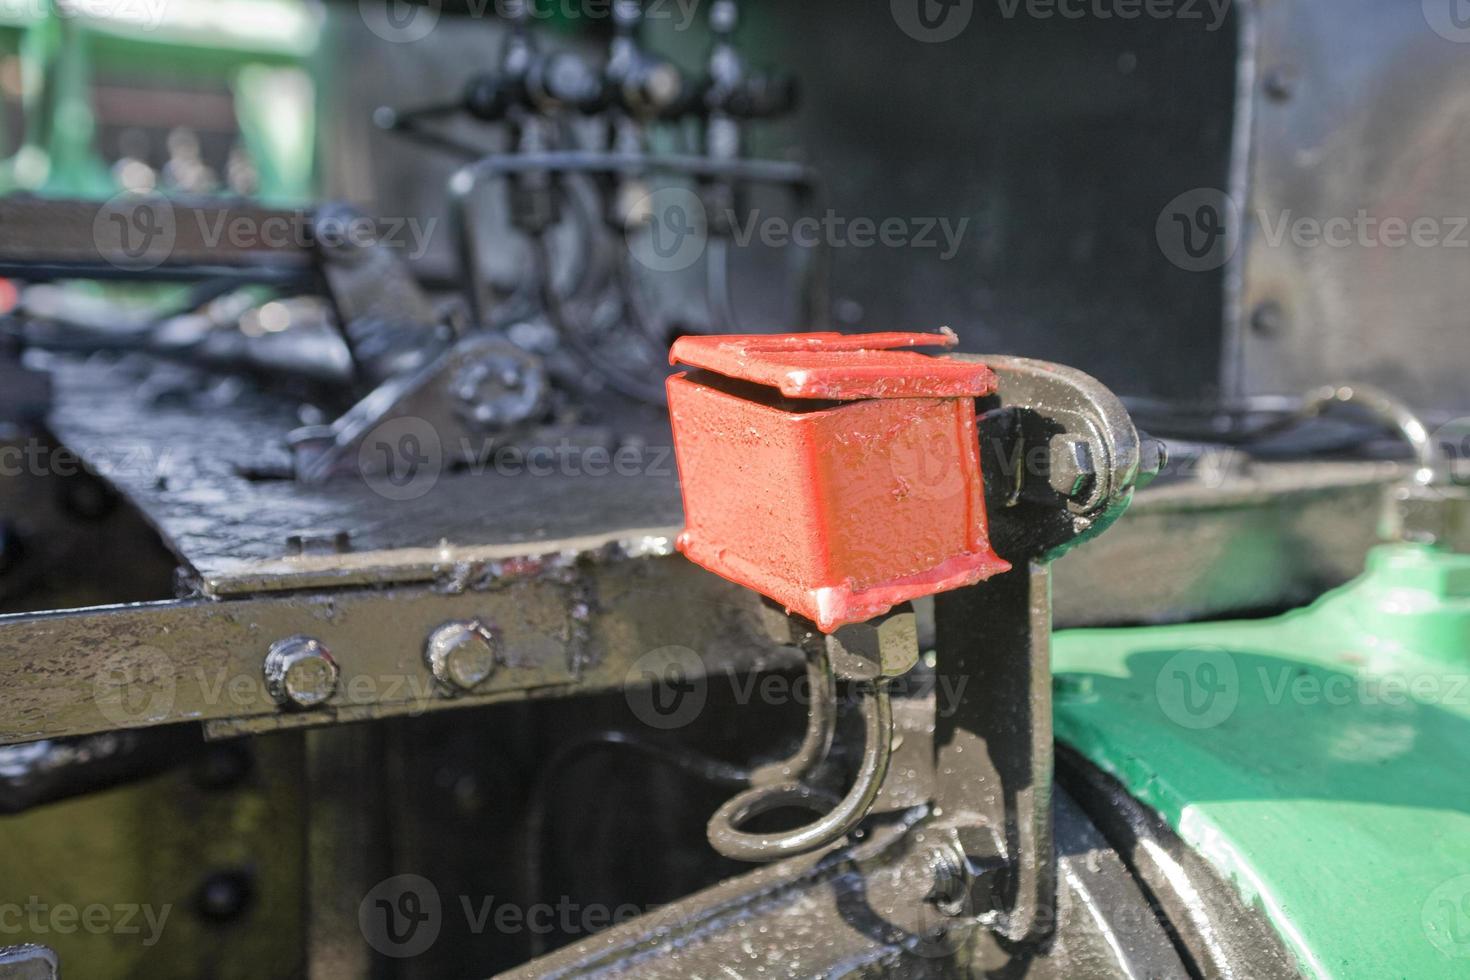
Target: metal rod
x,y
726,837
821,722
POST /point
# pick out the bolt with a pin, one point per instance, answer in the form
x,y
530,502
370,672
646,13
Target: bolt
x,y
224,895
300,672
949,891
461,654
1153,457
1268,319
967,866
1073,472
1280,83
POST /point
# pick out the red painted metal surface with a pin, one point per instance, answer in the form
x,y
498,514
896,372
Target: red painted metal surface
x,y
838,366
838,475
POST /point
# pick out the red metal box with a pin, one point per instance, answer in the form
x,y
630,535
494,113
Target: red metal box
x,y
838,475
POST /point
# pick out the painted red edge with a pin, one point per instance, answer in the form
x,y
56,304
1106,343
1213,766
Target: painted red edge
x,y
838,367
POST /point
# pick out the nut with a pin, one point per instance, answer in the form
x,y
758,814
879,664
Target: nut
x,y
1073,471
300,672
462,654
885,647
1153,459
968,868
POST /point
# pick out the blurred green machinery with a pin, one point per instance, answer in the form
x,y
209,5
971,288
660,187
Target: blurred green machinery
x,y
68,76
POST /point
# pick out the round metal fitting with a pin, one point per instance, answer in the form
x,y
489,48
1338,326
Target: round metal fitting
x,y
300,672
499,387
462,654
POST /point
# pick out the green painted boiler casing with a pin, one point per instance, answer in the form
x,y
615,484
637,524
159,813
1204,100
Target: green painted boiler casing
x,y
1319,760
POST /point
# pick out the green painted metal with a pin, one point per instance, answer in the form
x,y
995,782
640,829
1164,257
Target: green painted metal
x,y
263,50
1320,760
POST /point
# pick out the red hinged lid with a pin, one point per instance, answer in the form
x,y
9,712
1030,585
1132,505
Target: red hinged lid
x,y
839,367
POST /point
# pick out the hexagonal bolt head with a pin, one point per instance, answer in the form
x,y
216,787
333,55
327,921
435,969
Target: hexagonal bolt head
x,y
462,655
968,872
1073,471
300,672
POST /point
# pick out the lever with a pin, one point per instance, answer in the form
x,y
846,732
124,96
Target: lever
x,y
839,476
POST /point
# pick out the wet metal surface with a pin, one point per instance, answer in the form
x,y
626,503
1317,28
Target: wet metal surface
x,y
578,631
219,495
1274,536
864,912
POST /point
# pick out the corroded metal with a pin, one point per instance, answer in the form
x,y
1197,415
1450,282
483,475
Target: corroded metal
x,y
200,660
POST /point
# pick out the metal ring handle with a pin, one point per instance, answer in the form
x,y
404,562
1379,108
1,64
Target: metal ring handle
x,y
726,837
